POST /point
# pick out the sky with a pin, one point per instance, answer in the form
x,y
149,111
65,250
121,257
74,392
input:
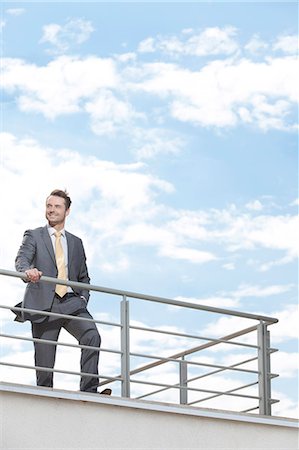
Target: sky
x,y
173,126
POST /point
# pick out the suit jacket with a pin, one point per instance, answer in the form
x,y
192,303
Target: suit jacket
x,y
37,251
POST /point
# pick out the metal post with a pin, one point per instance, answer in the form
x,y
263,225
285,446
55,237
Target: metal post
x,y
264,381
183,382
125,347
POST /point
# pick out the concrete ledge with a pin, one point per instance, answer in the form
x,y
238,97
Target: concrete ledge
x,y
148,405
41,418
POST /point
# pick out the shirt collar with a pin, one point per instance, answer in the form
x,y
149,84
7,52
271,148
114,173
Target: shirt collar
x,y
52,231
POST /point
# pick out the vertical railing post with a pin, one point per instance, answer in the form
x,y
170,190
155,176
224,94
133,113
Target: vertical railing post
x,y
183,382
125,347
264,381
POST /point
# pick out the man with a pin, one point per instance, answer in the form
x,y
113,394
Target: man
x,y
54,252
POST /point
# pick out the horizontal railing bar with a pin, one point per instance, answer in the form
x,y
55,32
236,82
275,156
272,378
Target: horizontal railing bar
x,y
222,370
132,354
223,393
73,284
190,351
193,350
257,407
62,316
152,383
273,375
232,390
190,380
67,372
64,344
250,409
173,333
193,363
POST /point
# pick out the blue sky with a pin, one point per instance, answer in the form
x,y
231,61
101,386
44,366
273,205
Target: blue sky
x,y
174,127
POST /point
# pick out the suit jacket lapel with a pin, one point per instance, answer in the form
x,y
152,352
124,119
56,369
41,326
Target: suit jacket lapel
x,y
48,243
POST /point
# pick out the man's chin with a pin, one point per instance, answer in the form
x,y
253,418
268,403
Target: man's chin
x,y
52,222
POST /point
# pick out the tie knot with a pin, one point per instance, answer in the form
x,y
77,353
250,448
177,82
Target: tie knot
x,y
57,234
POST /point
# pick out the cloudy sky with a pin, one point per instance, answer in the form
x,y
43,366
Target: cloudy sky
x,y
174,128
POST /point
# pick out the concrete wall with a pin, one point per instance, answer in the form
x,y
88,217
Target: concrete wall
x,y
45,419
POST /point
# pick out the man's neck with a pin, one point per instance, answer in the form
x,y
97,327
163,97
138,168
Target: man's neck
x,y
57,227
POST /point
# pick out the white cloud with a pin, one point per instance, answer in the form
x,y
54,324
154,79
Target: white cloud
x,y
264,267
286,329
148,143
187,254
15,11
229,266
295,202
210,41
255,205
169,243
109,113
256,45
62,38
148,234
231,299
221,93
121,265
190,224
238,231
214,301
112,196
224,92
18,375
275,232
213,41
146,46
123,208
285,364
286,407
258,291
61,86
288,44
126,57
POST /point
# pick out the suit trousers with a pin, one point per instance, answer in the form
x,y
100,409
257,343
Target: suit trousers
x,y
85,332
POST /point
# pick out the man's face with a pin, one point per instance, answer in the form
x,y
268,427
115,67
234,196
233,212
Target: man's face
x,y
56,211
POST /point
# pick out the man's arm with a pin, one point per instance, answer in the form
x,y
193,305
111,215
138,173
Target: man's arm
x,y
25,257
83,276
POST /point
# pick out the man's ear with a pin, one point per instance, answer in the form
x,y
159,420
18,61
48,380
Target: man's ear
x,y
67,211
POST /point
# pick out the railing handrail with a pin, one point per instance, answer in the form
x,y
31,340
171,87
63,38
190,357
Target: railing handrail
x,y
91,287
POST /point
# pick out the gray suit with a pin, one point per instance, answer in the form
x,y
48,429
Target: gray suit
x,y
37,251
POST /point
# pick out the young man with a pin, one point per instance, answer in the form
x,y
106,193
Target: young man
x,y
54,252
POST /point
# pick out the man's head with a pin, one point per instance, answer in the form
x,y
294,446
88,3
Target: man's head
x,y
57,208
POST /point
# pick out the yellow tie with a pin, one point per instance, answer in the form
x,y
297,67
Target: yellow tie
x,y
60,262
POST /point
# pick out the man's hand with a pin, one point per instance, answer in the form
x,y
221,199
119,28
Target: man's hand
x,y
33,275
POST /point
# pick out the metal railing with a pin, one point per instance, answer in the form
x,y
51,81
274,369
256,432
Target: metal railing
x,y
140,379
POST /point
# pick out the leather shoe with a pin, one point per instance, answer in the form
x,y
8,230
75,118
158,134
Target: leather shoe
x,y
106,391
